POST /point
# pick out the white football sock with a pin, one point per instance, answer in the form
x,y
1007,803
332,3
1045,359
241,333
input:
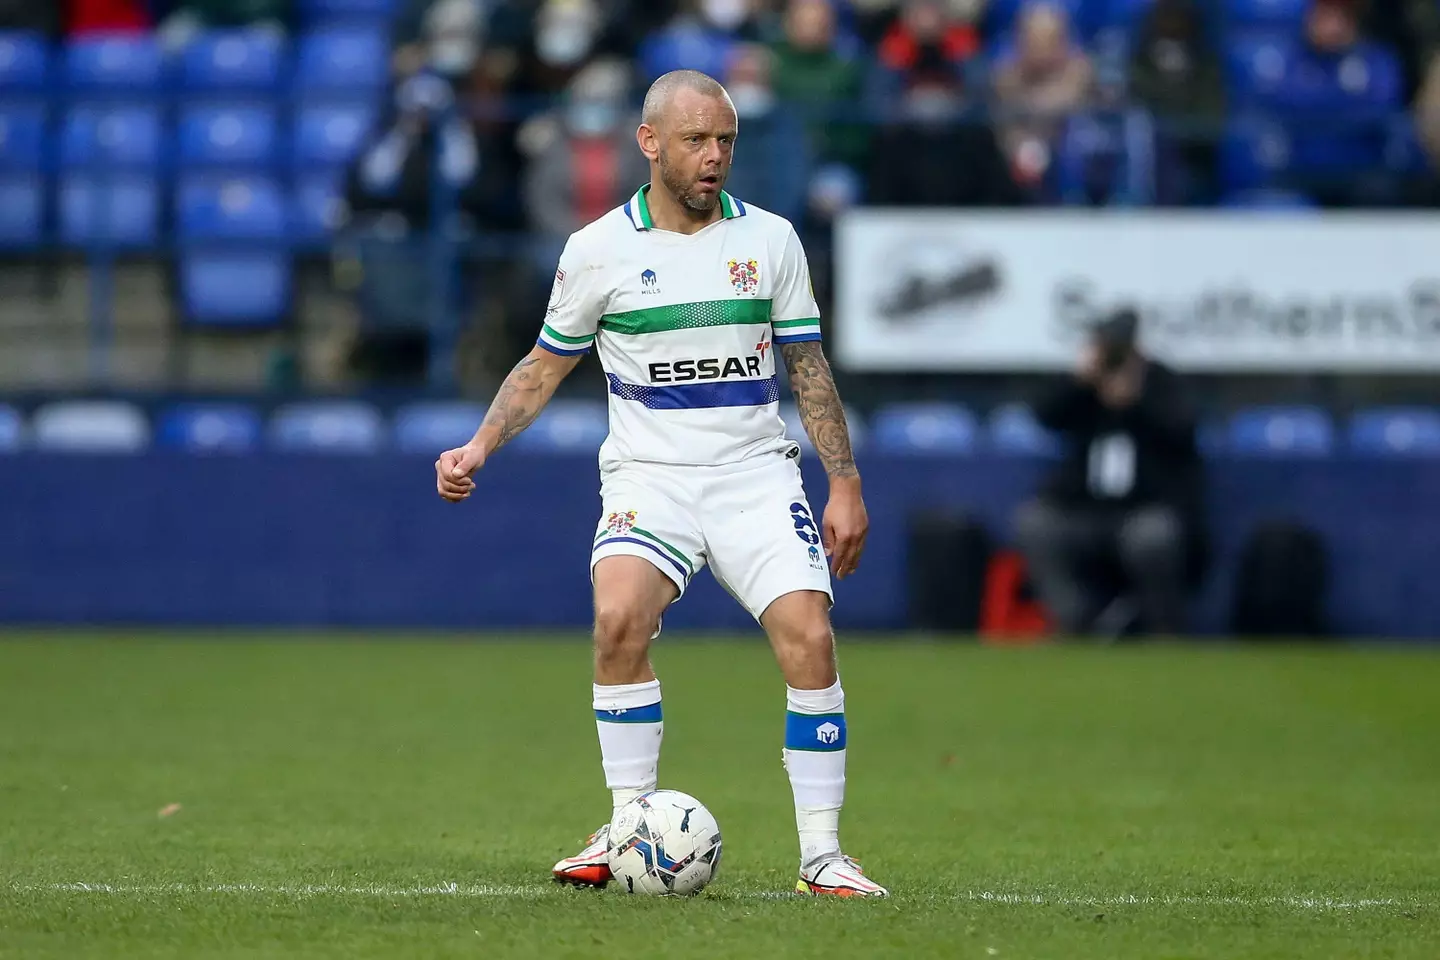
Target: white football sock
x,y
628,719
815,760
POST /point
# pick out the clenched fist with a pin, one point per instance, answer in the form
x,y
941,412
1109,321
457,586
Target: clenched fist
x,y
454,469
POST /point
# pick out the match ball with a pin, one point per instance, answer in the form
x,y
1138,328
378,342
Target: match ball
x,y
664,843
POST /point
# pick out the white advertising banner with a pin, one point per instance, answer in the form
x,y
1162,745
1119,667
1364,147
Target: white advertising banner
x,y
963,290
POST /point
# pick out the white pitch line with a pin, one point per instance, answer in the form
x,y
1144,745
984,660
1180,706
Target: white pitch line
x,y
1314,904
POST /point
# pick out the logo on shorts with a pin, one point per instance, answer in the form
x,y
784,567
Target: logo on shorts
x,y
804,526
621,522
815,561
744,276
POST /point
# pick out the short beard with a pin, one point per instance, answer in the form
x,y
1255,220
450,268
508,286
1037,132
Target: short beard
x,y
684,192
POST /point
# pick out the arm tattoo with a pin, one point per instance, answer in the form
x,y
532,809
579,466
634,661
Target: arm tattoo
x,y
819,403
519,400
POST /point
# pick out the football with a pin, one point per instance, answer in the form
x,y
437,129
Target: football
x,y
664,843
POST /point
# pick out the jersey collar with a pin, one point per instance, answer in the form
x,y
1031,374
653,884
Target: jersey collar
x,y
637,208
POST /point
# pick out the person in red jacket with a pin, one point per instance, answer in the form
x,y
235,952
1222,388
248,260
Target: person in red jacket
x,y
106,16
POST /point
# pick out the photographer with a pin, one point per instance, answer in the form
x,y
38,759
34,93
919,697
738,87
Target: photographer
x,y
1119,524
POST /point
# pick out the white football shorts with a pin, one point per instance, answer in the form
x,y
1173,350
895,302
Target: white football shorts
x,y
748,521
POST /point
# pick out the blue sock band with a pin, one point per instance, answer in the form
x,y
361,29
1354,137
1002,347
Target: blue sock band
x,y
650,713
822,733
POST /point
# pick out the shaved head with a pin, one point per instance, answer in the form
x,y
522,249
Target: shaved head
x,y
687,132
663,91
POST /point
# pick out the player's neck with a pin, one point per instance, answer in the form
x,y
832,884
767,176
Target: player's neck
x,y
671,215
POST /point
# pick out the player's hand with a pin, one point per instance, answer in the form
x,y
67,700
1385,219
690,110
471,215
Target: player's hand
x,y
844,526
454,469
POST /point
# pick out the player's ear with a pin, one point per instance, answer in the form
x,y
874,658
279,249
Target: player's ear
x,y
649,141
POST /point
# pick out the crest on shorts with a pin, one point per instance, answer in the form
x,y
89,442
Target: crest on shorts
x,y
744,275
621,522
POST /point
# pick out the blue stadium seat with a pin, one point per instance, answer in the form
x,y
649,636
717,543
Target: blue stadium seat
x,y
348,60
334,426
232,137
1013,429
331,135
233,62
228,288
434,427
122,209
209,428
566,427
12,429
1125,14
1399,432
1253,153
109,136
1260,65
318,201
920,428
126,64
90,426
1282,431
22,210
234,208
22,136
1273,12
1283,201
24,62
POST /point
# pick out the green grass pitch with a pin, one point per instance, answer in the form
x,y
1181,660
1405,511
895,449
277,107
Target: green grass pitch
x,y
388,797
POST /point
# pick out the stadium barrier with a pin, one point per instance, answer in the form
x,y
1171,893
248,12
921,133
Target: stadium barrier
x,y
295,539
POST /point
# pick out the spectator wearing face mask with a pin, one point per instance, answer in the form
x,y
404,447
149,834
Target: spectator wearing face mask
x,y
1175,73
774,158
809,73
442,37
1048,78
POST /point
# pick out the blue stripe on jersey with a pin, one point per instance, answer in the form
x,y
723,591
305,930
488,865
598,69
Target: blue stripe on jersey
x,y
684,574
820,732
739,207
564,353
650,713
699,396
797,338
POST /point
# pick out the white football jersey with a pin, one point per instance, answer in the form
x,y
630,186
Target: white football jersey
x,y
686,327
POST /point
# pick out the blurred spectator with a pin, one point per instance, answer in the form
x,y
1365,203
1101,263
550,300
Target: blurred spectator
x,y
104,16
396,174
1048,78
810,73
773,161
1122,515
925,45
442,36
1175,72
873,19
701,36
34,15
937,152
584,161
188,17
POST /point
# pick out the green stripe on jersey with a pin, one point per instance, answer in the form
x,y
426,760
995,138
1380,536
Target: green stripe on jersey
x,y
727,206
803,322
554,334
688,316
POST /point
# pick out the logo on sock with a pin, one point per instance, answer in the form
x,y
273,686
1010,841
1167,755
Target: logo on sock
x,y
827,733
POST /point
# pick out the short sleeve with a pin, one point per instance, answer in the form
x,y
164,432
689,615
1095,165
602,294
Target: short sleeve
x,y
576,304
794,314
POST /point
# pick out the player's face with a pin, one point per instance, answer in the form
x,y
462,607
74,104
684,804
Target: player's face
x,y
696,145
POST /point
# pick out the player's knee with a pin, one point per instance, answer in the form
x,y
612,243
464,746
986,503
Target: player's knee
x,y
622,630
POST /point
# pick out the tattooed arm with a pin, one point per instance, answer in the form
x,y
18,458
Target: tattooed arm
x,y
845,523
519,401
820,409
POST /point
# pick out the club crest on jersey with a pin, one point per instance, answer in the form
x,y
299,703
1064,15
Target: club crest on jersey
x,y
621,522
744,276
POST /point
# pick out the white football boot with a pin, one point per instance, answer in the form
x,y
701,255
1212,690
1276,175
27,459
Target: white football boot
x,y
591,866
836,875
